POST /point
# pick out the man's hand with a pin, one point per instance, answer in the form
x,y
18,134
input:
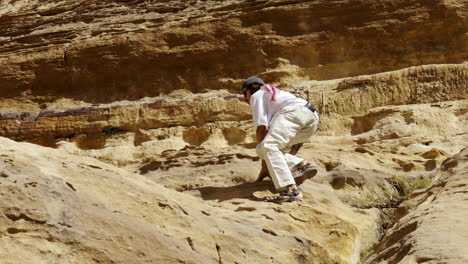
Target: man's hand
x,y
263,172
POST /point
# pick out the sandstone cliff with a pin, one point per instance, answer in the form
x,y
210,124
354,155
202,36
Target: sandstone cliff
x,y
144,152
102,51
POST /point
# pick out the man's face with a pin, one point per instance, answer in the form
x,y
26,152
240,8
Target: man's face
x,y
247,94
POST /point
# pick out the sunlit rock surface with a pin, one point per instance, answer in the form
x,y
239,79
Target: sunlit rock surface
x,y
431,226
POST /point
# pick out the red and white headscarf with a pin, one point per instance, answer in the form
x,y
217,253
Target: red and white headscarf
x,y
271,90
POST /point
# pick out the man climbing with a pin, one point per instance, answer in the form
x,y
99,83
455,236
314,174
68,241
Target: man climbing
x,y
281,120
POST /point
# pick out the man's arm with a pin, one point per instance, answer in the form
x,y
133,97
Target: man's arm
x,y
260,121
261,133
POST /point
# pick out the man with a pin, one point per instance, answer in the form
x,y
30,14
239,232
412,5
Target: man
x,y
281,120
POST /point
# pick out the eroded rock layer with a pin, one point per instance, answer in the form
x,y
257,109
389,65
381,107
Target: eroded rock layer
x,y
345,97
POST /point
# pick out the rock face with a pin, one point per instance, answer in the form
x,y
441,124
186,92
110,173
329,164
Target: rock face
x,y
102,51
144,151
430,228
78,210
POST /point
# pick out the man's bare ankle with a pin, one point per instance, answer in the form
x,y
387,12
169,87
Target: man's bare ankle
x,y
300,164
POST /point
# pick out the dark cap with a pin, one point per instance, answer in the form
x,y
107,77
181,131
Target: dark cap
x,y
252,80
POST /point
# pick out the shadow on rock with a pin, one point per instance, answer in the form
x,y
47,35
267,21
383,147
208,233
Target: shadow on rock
x,y
244,190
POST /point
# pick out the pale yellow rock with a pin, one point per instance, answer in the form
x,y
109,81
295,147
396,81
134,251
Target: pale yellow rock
x,y
60,207
432,226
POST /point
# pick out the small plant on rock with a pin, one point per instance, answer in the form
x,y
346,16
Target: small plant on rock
x,y
405,185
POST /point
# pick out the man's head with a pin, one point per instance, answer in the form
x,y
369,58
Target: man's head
x,y
250,86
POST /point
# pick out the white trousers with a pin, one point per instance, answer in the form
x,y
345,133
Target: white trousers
x,y
287,129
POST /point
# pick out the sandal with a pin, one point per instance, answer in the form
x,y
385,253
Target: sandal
x,y
286,197
305,172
